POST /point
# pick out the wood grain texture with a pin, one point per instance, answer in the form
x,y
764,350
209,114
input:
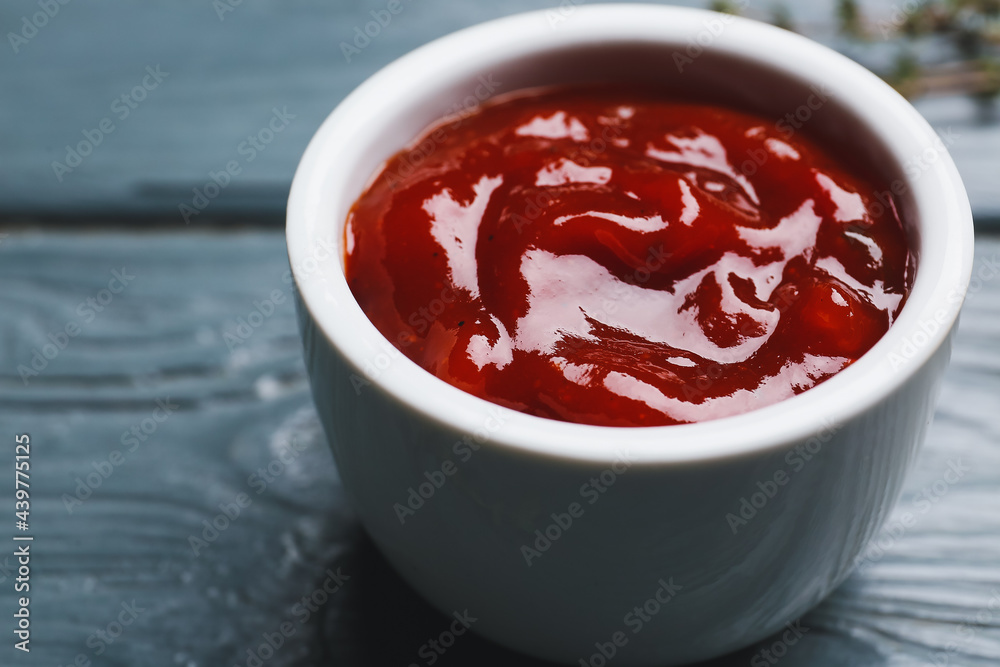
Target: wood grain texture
x,y
225,73
922,589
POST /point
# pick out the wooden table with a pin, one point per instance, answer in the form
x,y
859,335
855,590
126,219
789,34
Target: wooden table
x,y
156,414
108,534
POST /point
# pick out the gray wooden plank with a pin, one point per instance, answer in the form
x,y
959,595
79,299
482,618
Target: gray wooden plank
x,y
225,75
917,592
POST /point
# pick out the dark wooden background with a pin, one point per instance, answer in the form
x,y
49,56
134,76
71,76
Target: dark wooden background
x,y
928,593
226,73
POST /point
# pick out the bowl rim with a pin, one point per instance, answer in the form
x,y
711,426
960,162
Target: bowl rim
x,y
945,251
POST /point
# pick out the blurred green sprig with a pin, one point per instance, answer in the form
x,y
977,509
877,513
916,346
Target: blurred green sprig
x,y
970,27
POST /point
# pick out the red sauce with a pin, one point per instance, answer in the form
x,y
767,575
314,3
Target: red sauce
x,y
616,258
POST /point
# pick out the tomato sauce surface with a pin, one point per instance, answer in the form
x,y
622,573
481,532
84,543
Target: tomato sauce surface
x,y
615,257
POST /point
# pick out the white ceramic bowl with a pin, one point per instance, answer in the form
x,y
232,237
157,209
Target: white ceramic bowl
x,y
737,525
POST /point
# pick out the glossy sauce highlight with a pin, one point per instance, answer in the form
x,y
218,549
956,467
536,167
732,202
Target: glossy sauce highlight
x,y
615,258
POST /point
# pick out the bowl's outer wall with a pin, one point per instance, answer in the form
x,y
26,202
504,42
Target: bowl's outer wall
x,y
462,549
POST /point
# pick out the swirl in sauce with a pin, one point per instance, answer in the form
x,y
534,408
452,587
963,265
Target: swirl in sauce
x,y
616,258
